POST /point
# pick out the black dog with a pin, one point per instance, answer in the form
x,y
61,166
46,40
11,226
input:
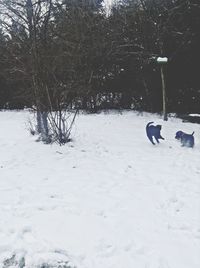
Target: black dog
x,y
186,139
153,131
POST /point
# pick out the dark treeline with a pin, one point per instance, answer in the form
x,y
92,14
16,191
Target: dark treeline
x,y
59,53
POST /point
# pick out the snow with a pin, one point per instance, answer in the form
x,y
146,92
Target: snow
x,y
108,199
194,115
162,60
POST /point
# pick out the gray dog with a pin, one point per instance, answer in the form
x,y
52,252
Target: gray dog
x,y
186,139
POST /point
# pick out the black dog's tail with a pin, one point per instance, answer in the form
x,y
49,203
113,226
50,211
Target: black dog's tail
x,y
149,124
192,133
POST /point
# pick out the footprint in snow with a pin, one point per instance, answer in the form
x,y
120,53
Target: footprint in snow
x,y
105,250
26,235
163,264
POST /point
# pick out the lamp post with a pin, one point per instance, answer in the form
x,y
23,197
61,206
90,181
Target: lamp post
x,y
162,62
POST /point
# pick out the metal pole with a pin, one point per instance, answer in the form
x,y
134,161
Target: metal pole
x,y
163,93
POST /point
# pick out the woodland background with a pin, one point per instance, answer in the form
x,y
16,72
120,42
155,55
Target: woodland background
x,y
73,53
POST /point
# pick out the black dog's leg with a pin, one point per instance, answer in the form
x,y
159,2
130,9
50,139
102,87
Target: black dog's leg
x,y
157,140
151,139
161,137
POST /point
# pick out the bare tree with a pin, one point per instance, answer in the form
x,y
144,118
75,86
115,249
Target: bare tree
x,y
35,18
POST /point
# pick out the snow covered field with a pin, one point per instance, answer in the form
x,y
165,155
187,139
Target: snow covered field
x,y
109,199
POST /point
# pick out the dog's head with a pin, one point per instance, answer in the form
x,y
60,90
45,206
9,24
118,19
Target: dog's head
x,y
179,134
159,127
